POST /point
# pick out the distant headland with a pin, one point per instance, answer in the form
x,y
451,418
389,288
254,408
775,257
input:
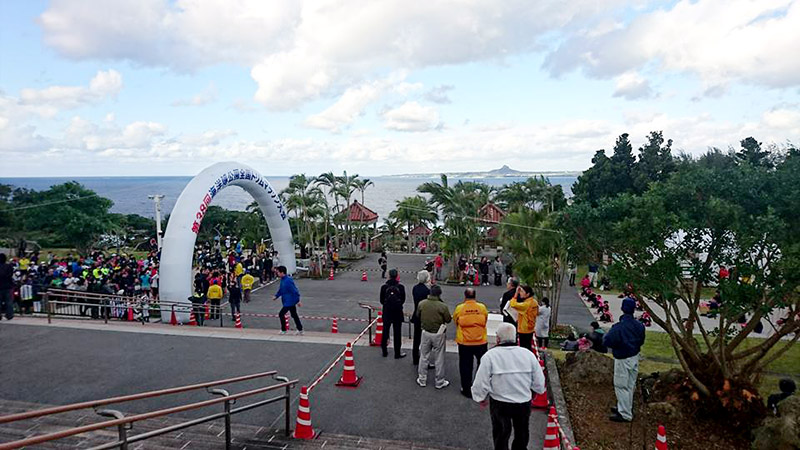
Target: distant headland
x,y
502,172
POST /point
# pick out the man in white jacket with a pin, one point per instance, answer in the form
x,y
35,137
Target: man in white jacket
x,y
507,375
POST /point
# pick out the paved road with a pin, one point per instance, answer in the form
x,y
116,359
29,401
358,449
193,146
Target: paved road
x,y
58,366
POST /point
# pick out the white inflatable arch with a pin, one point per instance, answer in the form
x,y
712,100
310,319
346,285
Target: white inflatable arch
x,y
175,273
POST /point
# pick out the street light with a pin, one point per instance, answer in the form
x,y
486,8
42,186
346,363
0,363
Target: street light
x,y
157,200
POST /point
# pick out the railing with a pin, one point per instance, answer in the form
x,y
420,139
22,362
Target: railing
x,y
67,303
124,423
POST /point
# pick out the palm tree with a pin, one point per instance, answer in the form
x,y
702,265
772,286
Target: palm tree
x,y
306,201
533,193
362,184
413,211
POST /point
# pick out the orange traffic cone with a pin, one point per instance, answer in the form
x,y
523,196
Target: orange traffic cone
x,y
364,275
552,439
540,400
130,313
208,311
173,320
286,322
334,326
378,331
238,323
302,429
661,438
330,277
192,320
349,377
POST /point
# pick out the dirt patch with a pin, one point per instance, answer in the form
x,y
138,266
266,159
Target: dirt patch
x,y
586,379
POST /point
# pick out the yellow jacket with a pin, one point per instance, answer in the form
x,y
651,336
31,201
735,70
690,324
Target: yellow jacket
x,y
214,291
528,309
470,318
247,281
238,270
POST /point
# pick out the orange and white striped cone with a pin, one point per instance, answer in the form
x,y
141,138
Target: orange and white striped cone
x,y
540,401
378,331
330,277
208,311
192,320
661,438
552,439
334,326
302,429
286,322
173,320
364,275
238,323
349,377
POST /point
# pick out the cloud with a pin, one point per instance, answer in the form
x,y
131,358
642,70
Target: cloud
x,y
439,94
721,41
47,102
300,51
631,86
411,116
349,107
204,97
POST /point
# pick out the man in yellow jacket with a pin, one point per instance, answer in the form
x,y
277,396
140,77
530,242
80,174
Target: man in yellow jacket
x,y
527,309
247,285
214,296
470,318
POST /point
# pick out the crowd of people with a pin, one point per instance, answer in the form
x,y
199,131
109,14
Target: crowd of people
x,y
506,376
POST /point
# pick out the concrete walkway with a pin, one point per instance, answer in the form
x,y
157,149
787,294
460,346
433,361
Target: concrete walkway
x,y
573,310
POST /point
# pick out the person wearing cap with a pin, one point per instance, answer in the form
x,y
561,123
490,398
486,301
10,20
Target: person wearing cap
x,y
625,339
470,318
505,379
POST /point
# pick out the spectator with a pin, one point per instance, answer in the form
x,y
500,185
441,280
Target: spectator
x,y
433,318
484,269
438,263
505,379
542,328
419,293
392,297
497,267
290,299
787,387
527,309
470,318
247,285
573,272
6,285
625,339
214,295
592,273
570,344
383,263
511,287
234,297
596,338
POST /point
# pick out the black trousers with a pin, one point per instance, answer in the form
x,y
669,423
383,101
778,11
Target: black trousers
x,y
504,417
526,340
417,339
214,313
397,325
293,311
572,279
465,355
236,307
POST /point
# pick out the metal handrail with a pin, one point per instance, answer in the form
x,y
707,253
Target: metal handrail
x,y
128,398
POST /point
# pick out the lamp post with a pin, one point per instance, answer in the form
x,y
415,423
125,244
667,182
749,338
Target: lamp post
x,y
157,200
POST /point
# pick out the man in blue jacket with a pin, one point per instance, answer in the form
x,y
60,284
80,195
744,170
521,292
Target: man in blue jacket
x,y
290,297
625,339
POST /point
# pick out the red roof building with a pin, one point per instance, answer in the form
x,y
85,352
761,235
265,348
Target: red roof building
x,y
360,213
491,213
421,230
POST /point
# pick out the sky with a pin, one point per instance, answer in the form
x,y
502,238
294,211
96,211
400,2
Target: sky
x,y
157,87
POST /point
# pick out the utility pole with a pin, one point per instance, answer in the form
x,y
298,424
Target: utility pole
x,y
157,200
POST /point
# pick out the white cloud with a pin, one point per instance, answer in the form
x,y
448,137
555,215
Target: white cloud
x,y
300,51
349,107
47,102
632,86
439,94
208,95
411,116
718,40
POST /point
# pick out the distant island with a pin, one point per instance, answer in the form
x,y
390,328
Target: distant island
x,y
502,172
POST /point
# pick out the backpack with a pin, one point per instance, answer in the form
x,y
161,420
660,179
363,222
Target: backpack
x,y
393,297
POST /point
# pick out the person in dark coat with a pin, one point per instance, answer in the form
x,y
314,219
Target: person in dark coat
x,y
392,296
625,339
419,292
596,338
512,286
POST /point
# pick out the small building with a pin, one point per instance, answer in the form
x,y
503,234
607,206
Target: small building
x,y
421,233
490,215
363,217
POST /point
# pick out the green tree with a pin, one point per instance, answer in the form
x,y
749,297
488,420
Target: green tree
x,y
533,193
668,243
655,162
752,153
413,211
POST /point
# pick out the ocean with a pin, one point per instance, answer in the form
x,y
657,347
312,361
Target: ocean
x,y
129,194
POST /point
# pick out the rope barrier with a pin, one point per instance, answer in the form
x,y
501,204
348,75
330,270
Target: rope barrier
x,y
330,367
348,319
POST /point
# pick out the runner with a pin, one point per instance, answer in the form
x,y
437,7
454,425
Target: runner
x,y
290,298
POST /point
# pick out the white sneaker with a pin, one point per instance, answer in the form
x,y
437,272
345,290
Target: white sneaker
x,y
421,383
443,384
299,332
283,332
